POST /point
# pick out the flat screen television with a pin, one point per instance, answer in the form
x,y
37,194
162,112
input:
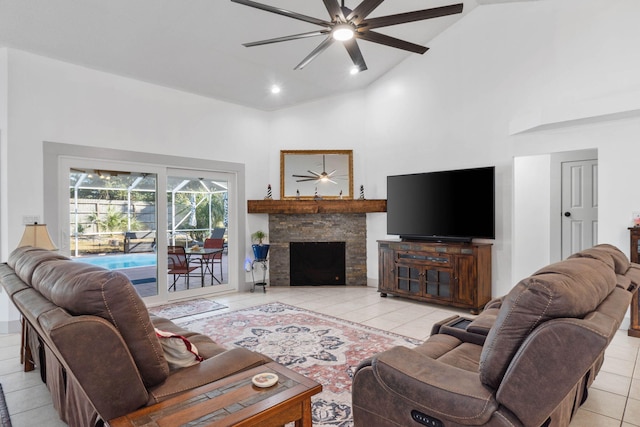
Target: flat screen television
x,y
453,205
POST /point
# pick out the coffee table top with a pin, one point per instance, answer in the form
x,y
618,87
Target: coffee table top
x,y
231,401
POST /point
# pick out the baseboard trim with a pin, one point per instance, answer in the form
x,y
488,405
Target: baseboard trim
x,y
10,327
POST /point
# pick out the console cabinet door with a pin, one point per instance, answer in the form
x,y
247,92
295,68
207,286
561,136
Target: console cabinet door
x,y
466,280
386,267
409,279
439,283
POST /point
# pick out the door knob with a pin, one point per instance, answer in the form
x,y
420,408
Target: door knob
x,y
567,214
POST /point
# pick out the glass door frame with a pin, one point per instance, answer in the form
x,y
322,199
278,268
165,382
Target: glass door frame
x,y
56,200
232,246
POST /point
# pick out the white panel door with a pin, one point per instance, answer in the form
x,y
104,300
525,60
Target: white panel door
x,y
579,206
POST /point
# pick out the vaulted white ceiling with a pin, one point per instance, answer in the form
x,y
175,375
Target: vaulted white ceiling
x,y
196,45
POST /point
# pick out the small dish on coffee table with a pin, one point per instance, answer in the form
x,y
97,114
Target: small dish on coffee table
x,y
264,380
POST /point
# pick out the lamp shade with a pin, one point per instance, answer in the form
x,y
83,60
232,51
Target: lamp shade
x,y
37,235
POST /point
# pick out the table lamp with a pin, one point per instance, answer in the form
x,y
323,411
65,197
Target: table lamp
x,y
37,235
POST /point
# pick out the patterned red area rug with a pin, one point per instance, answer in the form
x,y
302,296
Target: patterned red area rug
x,y
317,346
186,308
5,420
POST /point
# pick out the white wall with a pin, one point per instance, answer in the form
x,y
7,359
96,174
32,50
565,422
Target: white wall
x,y
54,101
457,106
513,79
50,100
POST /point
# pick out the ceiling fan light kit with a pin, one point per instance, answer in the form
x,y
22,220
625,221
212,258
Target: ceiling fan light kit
x,y
347,25
343,32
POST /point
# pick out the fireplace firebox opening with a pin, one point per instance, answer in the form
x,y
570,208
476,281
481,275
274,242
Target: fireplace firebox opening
x,y
317,263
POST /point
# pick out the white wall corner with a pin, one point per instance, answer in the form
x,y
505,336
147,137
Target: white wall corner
x,y
612,107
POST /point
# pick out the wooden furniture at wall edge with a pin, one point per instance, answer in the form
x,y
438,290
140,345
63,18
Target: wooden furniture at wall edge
x,y
634,327
450,273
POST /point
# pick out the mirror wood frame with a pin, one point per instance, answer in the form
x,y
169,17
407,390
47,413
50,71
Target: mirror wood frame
x,y
301,162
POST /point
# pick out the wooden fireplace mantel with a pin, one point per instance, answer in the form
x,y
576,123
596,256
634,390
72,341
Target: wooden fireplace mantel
x,y
311,206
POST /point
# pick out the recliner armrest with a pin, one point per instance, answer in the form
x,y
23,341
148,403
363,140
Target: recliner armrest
x,y
435,388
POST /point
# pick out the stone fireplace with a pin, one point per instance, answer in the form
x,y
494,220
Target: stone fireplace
x,y
350,228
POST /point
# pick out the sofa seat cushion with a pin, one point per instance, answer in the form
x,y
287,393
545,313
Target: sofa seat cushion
x,y
84,289
451,351
466,356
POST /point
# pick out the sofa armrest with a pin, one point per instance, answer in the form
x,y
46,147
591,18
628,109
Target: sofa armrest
x,y
435,329
217,367
93,352
429,386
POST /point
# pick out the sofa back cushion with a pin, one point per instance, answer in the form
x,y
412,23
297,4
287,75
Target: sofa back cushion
x,y
609,254
24,261
84,289
571,288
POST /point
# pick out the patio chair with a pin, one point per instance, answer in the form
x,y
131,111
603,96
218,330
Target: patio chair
x,y
211,259
179,265
218,233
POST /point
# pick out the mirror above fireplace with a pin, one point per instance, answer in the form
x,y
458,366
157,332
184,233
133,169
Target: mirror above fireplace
x,y
309,174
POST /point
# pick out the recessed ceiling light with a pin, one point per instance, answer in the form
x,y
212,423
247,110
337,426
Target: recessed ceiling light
x,y
275,89
354,71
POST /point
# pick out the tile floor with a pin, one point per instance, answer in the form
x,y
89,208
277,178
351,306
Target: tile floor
x,y
614,398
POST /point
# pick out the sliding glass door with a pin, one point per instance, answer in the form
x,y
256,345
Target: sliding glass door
x,y
113,220
166,229
197,232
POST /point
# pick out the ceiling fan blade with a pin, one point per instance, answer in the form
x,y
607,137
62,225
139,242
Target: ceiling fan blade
x,y
304,176
334,9
315,173
283,12
305,180
317,51
286,38
362,10
418,15
384,39
355,54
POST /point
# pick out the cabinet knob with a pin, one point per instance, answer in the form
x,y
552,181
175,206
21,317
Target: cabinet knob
x,y
567,214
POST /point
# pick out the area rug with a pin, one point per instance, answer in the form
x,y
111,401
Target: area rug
x,y
186,308
323,348
5,421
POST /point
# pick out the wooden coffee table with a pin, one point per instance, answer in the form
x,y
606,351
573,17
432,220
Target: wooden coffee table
x,y
234,401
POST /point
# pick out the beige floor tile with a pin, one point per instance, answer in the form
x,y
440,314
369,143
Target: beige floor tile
x,y
604,403
28,398
622,352
43,416
634,390
584,418
632,412
612,383
618,366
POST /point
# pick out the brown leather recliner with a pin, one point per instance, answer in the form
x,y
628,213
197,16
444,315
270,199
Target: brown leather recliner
x,y
527,360
92,338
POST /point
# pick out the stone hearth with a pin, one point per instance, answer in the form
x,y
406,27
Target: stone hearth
x,y
336,227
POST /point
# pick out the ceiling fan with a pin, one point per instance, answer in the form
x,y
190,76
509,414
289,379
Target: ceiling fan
x,y
347,25
317,177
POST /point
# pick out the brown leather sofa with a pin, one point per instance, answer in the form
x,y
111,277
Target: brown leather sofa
x,y
94,341
527,360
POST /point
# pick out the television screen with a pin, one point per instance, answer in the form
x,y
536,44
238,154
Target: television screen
x,y
446,205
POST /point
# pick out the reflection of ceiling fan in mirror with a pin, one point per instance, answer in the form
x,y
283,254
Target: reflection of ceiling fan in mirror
x,y
317,177
347,25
